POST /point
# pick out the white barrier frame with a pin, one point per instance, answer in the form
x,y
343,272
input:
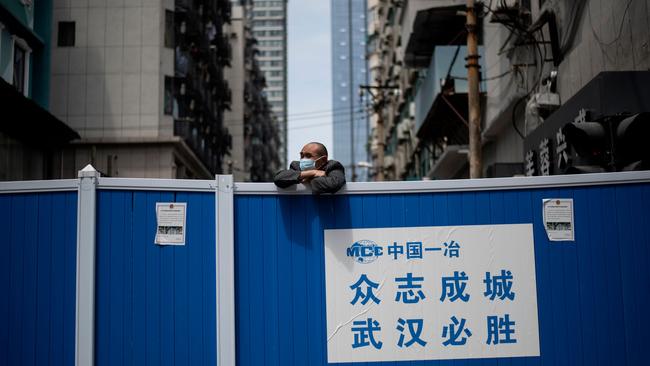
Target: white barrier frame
x,y
458,185
85,273
35,186
225,262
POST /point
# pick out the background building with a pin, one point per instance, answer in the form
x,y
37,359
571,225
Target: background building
x,y
31,138
417,61
143,83
349,72
269,20
544,65
592,58
255,152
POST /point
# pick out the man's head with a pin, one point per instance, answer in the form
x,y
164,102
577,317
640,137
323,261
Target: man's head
x,y
316,152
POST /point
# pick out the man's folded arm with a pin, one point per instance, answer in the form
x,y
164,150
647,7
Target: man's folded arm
x,y
286,178
330,183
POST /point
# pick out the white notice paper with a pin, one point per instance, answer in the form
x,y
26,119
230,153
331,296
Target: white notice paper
x,y
430,293
558,219
170,218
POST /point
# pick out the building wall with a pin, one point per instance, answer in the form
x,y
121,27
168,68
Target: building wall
x,y
131,83
36,52
349,71
252,124
26,26
122,160
235,75
110,84
595,36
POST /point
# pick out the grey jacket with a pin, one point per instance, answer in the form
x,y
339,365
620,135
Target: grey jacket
x,y
333,180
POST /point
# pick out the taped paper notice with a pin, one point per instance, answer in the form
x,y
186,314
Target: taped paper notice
x,y
170,227
558,219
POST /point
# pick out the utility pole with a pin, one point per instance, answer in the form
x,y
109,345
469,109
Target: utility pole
x,y
379,176
475,153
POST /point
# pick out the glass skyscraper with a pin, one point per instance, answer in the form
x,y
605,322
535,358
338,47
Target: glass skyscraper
x,y
349,71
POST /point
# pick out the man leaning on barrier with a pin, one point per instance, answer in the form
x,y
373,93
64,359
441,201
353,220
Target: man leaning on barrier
x,y
325,176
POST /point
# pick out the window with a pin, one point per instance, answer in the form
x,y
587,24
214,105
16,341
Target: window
x,y
20,68
270,43
66,34
169,29
169,96
264,23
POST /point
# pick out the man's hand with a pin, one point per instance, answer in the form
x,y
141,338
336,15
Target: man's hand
x,y
308,175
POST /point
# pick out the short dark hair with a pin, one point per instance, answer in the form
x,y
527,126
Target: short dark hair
x,y
322,150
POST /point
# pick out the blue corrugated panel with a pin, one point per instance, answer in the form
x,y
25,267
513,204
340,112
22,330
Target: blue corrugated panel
x,y
155,305
593,295
37,278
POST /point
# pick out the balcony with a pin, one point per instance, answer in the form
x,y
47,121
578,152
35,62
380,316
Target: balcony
x,y
430,23
430,85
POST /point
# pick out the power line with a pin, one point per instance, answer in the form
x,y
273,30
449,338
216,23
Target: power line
x,y
239,122
620,28
347,108
301,127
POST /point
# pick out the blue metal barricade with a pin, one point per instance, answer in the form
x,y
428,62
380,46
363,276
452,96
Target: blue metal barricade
x,y
157,305
593,294
37,278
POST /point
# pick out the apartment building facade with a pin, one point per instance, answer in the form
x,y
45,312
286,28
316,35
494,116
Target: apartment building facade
x,y
142,81
255,152
269,22
31,138
544,64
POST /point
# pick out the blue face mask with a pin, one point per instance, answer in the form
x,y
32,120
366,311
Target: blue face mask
x,y
308,164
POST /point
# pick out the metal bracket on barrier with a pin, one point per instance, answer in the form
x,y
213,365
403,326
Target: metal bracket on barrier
x,y
225,264
85,283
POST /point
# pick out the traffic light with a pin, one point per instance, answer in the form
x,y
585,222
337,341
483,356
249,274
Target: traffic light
x,y
632,135
592,144
611,143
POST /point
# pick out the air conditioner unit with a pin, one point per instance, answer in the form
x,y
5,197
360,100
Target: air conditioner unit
x,y
547,100
389,161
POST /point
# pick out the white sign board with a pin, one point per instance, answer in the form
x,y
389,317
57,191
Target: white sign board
x,y
558,219
170,219
431,293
